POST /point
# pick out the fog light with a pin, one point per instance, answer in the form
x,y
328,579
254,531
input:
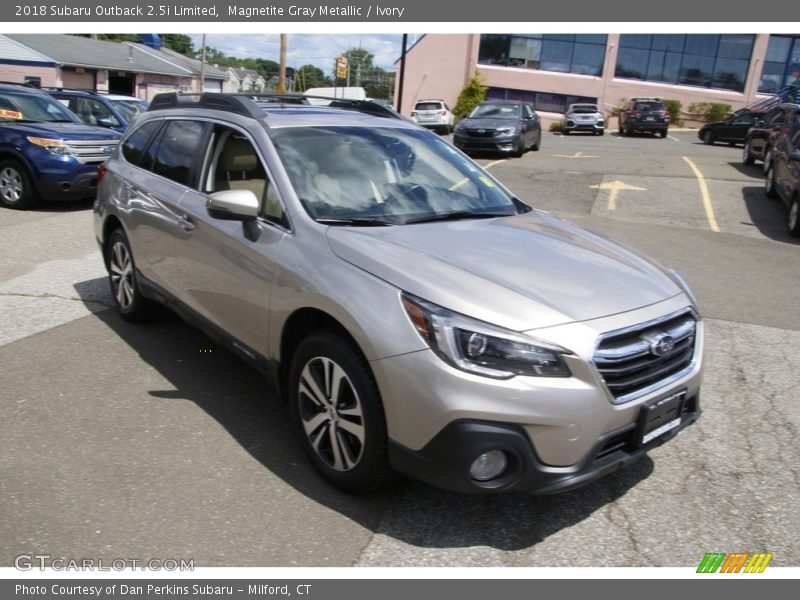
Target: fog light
x,y
488,465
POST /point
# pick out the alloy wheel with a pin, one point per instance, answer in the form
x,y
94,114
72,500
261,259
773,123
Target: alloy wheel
x,y
121,268
11,185
331,414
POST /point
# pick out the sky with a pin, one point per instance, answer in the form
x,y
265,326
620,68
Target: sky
x,y
316,49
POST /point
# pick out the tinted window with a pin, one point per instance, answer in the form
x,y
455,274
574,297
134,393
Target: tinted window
x,y
429,106
134,146
176,150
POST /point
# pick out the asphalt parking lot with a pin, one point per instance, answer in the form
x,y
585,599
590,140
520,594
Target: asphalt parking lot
x,y
123,441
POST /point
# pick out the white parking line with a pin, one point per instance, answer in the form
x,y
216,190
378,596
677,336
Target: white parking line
x,y
674,139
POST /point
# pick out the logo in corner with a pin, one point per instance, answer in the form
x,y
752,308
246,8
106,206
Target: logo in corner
x,y
660,343
736,562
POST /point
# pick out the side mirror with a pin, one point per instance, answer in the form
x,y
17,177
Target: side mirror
x,y
109,123
794,155
233,205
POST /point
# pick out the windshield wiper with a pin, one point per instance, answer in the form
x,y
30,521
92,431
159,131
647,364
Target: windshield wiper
x,y
456,215
357,222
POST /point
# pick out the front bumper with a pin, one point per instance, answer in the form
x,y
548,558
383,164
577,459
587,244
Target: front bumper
x,y
445,461
68,182
493,144
560,432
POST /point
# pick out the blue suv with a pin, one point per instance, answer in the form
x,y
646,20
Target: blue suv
x,y
46,153
107,110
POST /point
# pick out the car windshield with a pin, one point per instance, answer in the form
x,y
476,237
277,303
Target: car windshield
x,y
495,111
32,107
386,176
584,108
129,108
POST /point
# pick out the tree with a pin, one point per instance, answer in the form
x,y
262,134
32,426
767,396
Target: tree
x,y
178,42
471,95
310,76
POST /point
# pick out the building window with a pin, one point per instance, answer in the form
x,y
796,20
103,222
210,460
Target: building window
x,y
561,53
713,61
781,65
542,101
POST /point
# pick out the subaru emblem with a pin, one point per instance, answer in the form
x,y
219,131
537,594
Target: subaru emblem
x,y
660,343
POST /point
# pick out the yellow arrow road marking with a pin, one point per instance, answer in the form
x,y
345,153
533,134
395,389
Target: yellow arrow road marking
x,y
461,182
614,187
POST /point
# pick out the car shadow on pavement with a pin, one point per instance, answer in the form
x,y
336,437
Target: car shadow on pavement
x,y
55,206
768,215
754,170
241,400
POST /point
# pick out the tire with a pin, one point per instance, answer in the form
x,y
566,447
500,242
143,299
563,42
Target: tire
x,y
794,217
628,131
767,160
16,190
565,131
708,137
353,458
747,156
519,150
125,290
769,183
663,134
601,132
538,143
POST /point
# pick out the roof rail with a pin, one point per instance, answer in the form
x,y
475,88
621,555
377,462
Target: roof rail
x,y
247,104
68,89
25,84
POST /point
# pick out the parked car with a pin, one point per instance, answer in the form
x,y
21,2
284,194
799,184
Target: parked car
x,y
783,175
45,151
107,110
415,314
649,115
583,117
733,129
433,114
508,126
761,137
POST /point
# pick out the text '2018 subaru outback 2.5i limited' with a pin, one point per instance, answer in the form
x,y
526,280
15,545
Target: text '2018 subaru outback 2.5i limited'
x,y
415,314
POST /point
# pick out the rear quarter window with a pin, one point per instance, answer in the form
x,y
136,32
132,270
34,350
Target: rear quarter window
x,y
135,145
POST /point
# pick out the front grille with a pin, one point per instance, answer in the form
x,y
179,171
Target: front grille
x,y
91,151
632,362
480,133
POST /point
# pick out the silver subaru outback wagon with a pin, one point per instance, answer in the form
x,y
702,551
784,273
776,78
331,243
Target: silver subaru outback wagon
x,y
416,315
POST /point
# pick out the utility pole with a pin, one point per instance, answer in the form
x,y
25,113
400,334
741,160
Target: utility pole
x,y
282,68
203,66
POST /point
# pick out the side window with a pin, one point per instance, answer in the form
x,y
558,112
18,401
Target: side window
x,y
527,113
177,150
134,146
235,165
100,114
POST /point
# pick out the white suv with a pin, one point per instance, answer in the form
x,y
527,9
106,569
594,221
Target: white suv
x,y
434,114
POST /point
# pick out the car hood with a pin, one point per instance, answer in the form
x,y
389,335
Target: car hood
x,y
65,131
489,123
521,272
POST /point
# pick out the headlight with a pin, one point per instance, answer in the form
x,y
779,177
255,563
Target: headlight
x,y
57,147
507,131
478,347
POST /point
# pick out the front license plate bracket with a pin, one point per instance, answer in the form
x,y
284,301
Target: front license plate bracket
x,y
659,416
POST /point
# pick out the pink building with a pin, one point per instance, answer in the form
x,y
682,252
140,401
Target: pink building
x,y
555,70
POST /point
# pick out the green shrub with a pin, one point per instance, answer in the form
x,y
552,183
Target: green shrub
x,y
675,115
471,95
709,111
618,108
556,126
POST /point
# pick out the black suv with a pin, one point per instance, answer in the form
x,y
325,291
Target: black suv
x,y
762,136
733,128
45,151
644,114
